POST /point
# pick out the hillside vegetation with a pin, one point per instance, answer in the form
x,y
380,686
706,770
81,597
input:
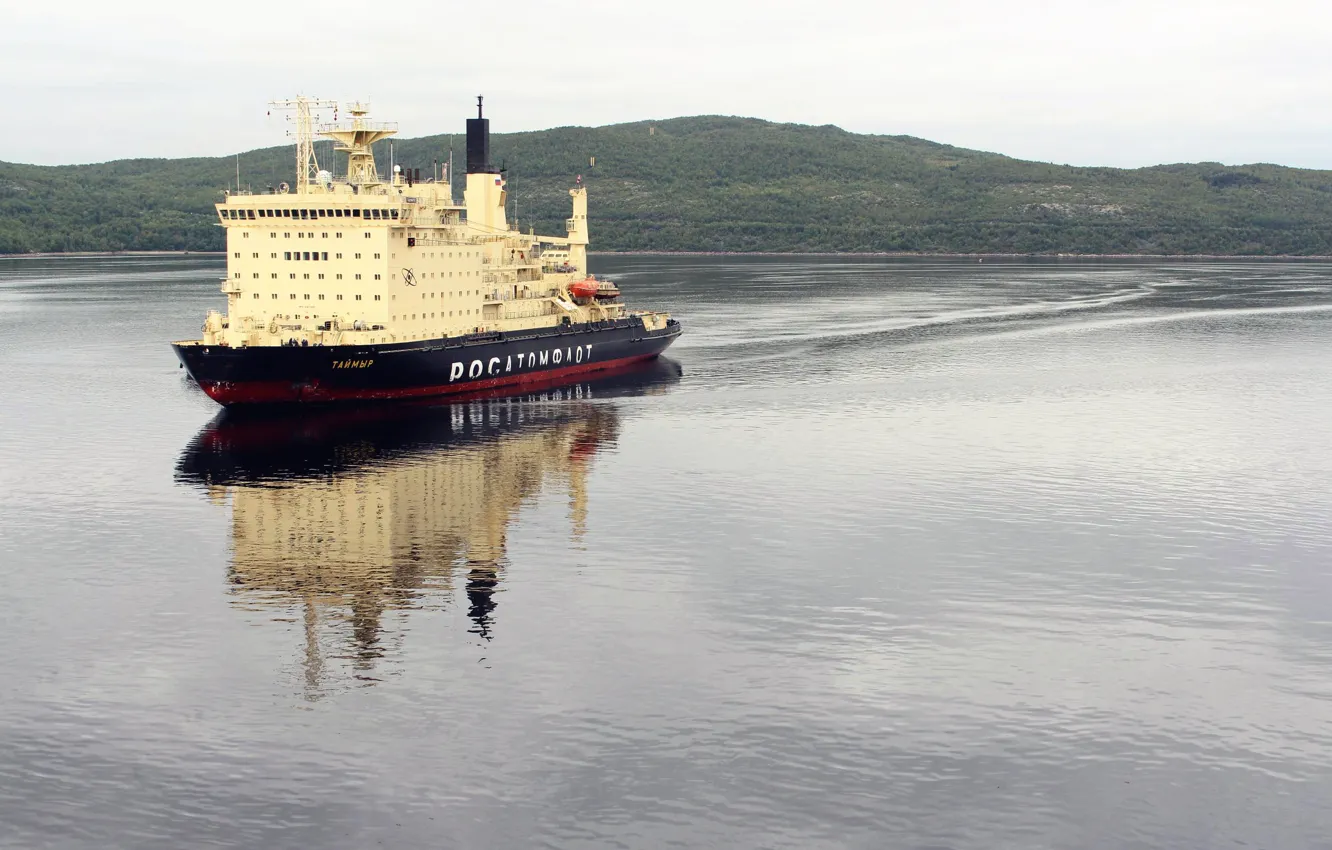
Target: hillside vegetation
x,y
734,184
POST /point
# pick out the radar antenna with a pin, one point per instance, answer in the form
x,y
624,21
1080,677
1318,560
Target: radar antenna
x,y
354,138
307,167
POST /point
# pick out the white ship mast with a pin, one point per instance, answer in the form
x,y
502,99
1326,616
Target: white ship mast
x,y
307,166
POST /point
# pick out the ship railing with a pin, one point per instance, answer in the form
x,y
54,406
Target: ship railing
x,y
450,239
353,124
526,294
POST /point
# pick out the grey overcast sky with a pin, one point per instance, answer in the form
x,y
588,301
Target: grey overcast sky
x,y
1111,82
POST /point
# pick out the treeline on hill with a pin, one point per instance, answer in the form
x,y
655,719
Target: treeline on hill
x,y
733,184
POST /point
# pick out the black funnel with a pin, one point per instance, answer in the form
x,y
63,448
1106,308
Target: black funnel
x,y
478,143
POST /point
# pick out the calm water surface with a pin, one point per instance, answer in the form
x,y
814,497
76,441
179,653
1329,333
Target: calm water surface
x,y
891,554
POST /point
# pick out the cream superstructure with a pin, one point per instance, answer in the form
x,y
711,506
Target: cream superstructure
x,y
362,259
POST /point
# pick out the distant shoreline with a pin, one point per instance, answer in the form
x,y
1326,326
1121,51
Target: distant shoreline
x,y
113,254
927,255
872,254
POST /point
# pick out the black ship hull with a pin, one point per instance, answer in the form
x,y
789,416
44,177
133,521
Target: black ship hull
x,y
269,375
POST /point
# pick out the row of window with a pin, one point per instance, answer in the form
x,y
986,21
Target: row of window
x,y
301,255
432,315
305,277
306,215
306,297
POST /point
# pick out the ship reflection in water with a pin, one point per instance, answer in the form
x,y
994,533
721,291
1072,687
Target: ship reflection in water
x,y
355,517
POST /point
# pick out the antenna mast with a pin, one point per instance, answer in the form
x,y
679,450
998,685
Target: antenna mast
x,y
306,164
355,137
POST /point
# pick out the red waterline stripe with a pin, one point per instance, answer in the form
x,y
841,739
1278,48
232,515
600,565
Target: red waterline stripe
x,y
286,392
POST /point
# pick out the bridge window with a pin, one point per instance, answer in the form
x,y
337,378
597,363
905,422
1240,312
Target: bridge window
x,y
323,255
256,295
358,298
376,297
274,296
286,255
339,297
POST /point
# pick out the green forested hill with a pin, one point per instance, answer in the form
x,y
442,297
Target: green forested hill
x,y
735,184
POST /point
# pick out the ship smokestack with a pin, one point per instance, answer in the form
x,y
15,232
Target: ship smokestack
x,y
478,143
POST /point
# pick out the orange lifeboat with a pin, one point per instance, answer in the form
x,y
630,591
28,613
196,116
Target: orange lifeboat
x,y
585,288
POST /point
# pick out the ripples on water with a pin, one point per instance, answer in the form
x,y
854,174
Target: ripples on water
x,y
904,554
